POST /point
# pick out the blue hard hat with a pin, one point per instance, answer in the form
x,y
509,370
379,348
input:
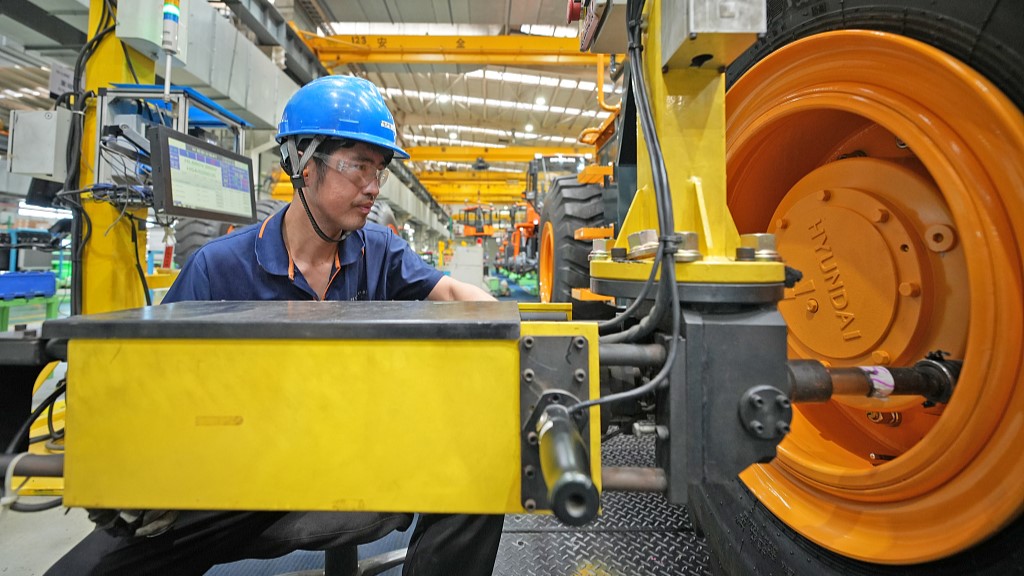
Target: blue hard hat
x,y
340,107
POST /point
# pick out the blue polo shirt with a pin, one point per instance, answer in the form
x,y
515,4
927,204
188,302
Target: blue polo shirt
x,y
373,263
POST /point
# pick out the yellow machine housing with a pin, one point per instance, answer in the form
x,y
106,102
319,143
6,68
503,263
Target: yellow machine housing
x,y
303,406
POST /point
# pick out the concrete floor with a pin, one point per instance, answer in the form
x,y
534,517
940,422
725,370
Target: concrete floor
x,y
30,543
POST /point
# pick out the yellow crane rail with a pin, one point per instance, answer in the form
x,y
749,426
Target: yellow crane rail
x,y
507,154
467,177
471,190
522,50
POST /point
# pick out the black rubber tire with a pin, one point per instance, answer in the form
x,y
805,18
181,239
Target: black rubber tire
x,y
984,34
191,234
570,205
745,537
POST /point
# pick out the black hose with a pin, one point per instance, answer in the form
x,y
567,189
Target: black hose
x,y
666,222
32,418
609,325
39,507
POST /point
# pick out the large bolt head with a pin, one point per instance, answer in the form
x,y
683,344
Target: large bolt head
x,y
759,242
642,238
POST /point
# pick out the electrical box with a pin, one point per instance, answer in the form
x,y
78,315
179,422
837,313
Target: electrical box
x,y
140,25
38,143
709,33
603,27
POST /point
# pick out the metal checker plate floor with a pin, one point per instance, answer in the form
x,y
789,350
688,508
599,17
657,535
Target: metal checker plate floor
x,y
636,535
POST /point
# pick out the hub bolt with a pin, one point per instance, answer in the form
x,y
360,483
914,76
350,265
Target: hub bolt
x,y
910,289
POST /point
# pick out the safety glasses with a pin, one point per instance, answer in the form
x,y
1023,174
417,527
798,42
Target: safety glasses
x,y
359,173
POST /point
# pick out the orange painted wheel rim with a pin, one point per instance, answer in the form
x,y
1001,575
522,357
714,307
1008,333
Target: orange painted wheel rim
x,y
547,262
907,167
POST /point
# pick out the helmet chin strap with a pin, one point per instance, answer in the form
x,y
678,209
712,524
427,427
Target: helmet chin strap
x,y
298,182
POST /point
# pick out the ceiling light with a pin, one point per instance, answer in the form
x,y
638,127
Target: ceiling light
x,y
453,135
529,127
443,98
540,101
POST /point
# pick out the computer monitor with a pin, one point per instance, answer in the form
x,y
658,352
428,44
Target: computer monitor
x,y
196,179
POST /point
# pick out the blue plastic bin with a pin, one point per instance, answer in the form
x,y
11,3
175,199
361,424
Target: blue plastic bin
x,y
27,285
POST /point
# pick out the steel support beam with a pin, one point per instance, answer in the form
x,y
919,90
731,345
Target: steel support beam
x,y
507,154
497,50
271,29
466,177
39,20
482,190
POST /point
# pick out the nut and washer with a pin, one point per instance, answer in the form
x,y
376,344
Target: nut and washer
x,y
764,247
643,244
689,247
601,250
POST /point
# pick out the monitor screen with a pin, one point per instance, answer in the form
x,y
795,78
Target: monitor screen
x,y
197,179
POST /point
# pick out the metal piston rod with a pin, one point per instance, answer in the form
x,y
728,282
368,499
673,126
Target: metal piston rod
x,y
934,378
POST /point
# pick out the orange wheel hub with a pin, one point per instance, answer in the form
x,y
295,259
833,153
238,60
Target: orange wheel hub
x,y
546,276
893,176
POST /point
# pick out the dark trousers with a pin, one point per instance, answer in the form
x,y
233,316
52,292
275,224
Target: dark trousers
x,y
442,544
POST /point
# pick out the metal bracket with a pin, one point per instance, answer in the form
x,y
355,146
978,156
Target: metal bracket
x,y
552,369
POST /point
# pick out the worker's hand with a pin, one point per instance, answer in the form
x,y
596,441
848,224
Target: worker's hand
x,y
134,522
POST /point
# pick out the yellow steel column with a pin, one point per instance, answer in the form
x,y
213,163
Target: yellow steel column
x,y
688,105
108,264
689,113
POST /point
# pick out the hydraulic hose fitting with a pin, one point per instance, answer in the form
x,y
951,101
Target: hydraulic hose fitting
x,y
566,467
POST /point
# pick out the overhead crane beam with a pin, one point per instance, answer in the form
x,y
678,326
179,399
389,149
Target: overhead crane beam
x,y
482,189
523,50
507,154
466,177
495,200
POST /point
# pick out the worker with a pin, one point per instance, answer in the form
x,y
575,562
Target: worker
x,y
337,137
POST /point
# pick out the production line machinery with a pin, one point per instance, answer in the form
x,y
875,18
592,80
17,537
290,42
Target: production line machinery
x,y
223,405
858,448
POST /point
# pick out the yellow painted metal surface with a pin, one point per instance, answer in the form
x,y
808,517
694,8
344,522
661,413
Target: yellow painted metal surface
x,y
475,192
110,280
595,174
334,51
594,233
689,113
565,307
708,271
506,154
301,425
688,105
282,188
467,177
586,295
161,278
